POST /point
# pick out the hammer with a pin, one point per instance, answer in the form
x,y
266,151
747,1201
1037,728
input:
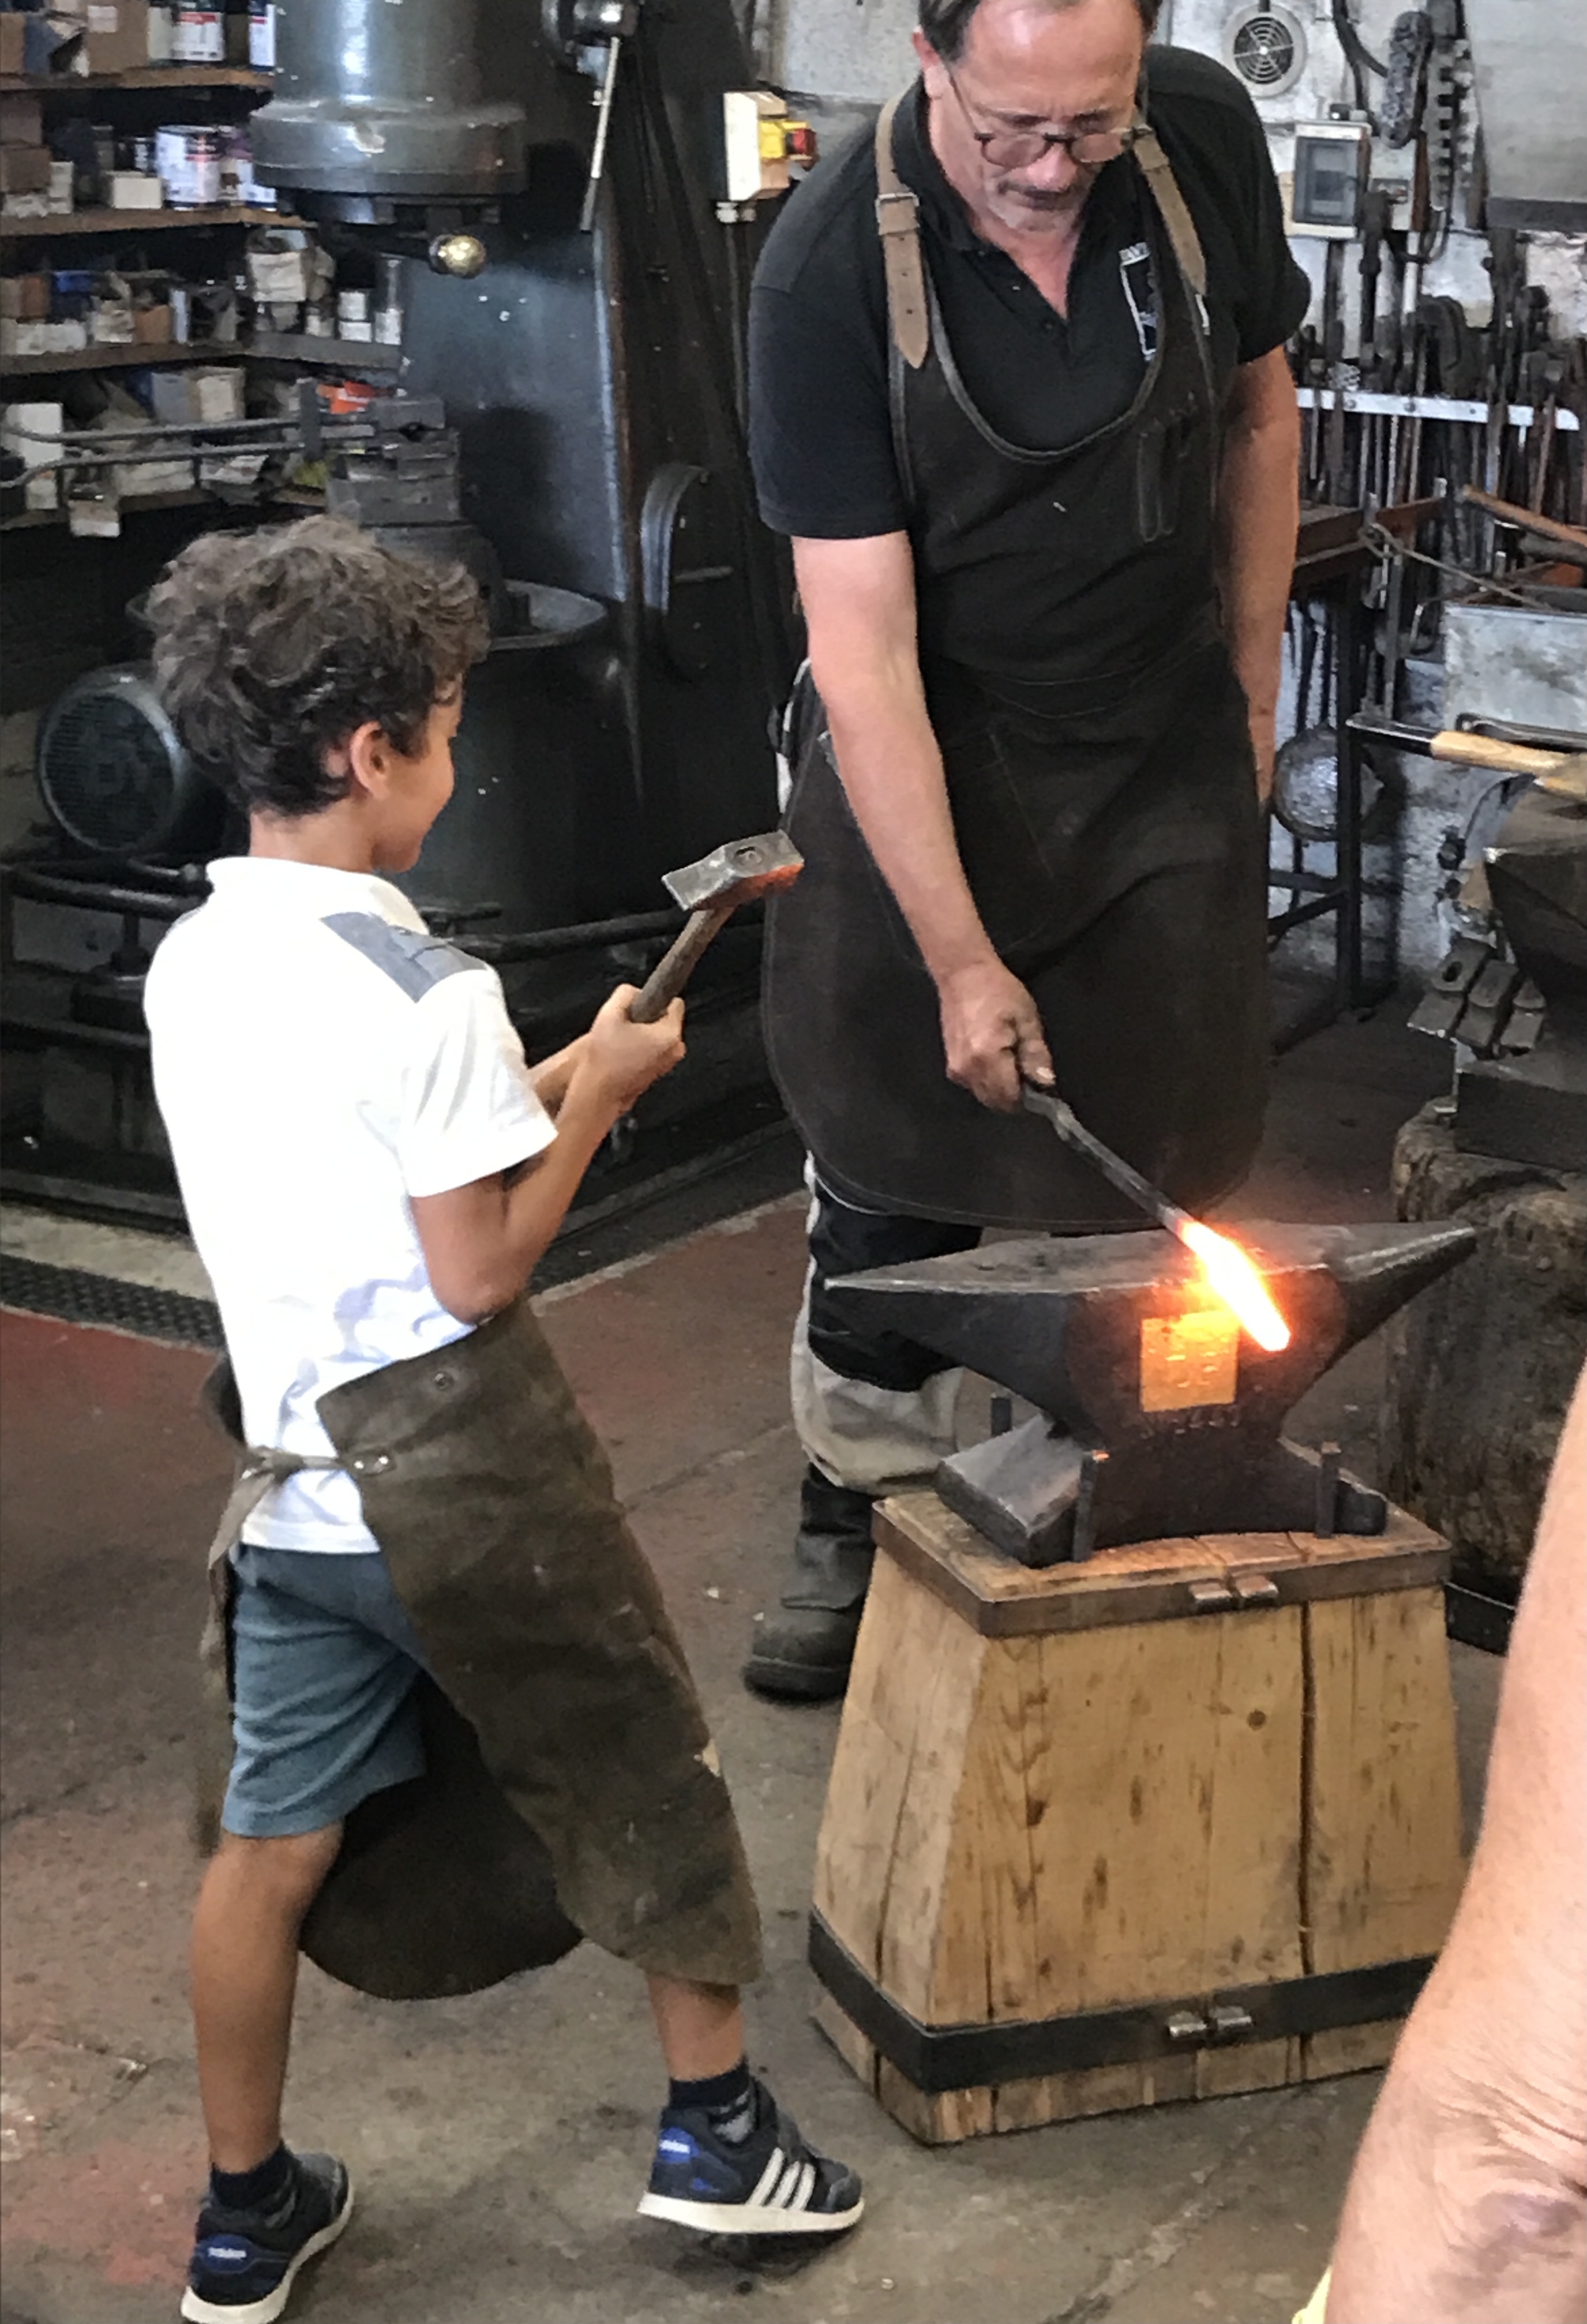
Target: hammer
x,y
710,893
1561,773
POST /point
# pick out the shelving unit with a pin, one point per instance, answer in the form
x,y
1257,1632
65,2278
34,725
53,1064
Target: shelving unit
x,y
30,520
142,355
141,77
263,346
340,354
86,222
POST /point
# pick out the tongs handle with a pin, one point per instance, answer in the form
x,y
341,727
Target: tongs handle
x,y
1037,1098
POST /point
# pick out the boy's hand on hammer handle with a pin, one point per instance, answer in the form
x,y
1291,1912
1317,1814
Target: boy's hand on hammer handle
x,y
625,1053
667,979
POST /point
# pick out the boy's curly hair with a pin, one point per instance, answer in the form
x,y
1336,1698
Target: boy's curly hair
x,y
272,648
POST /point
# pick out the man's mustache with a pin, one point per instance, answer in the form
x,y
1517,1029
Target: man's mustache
x,y
1044,197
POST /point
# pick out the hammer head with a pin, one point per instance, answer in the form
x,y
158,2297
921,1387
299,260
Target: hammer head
x,y
738,872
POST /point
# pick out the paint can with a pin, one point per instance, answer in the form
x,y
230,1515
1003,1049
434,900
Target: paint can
x,y
199,36
188,162
261,35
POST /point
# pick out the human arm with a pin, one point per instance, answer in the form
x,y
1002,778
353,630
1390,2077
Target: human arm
x,y
552,1075
859,604
1468,2202
1258,517
483,1240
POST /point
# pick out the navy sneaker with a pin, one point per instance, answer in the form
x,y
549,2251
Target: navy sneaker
x,y
774,2185
244,2262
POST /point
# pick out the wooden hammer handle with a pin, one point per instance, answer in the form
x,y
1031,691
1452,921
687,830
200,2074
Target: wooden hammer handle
x,y
671,973
1484,751
1568,537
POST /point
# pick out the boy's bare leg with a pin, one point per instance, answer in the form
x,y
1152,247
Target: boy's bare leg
x,y
701,2027
245,1975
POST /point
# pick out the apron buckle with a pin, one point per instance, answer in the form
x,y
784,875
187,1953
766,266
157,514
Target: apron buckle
x,y
908,216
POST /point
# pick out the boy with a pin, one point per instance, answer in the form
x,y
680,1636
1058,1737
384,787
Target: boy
x,y
370,1173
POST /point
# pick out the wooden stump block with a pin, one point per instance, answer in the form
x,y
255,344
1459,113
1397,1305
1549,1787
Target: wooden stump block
x,y
1179,1821
1482,1366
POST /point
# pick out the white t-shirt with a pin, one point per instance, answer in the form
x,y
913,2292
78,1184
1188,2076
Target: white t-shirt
x,y
319,1058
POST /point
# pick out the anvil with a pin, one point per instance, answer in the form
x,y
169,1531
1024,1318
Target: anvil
x,y
1156,1416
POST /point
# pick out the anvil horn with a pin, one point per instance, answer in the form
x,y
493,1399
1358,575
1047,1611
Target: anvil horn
x,y
1381,1269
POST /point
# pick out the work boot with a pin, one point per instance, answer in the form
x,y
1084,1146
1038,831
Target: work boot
x,y
803,1647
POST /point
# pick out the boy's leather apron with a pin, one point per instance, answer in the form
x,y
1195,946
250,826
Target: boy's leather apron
x,y
1100,777
572,1786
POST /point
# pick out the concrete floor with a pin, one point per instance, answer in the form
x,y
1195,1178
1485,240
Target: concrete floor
x,y
500,2142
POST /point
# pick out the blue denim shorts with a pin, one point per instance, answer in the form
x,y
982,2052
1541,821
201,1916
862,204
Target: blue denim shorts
x,y
324,1661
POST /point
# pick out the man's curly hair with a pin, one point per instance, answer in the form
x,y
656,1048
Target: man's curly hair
x,y
272,648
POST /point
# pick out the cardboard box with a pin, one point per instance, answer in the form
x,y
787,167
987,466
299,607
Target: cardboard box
x,y
21,121
25,168
135,189
23,338
111,323
27,429
53,38
12,42
151,325
25,298
139,478
217,392
117,35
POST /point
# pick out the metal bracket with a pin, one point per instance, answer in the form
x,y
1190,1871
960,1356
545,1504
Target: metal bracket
x,y
937,2058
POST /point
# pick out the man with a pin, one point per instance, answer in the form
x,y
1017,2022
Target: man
x,y
1018,395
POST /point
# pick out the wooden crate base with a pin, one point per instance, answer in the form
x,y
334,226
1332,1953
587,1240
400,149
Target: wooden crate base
x,y
1055,1796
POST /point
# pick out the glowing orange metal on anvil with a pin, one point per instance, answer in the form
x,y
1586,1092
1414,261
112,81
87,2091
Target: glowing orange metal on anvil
x,y
1232,1275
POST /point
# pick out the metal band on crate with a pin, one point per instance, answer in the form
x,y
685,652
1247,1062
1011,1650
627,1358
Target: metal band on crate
x,y
937,2058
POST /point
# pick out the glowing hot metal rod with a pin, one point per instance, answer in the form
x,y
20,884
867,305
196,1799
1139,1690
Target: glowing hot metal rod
x,y
1227,1269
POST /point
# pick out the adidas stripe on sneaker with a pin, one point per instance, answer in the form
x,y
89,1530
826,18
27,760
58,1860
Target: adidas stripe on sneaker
x,y
772,2183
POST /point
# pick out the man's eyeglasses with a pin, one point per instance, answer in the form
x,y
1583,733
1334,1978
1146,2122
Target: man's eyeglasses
x,y
1019,149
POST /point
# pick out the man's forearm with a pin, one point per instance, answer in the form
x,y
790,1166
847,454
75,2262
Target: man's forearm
x,y
1465,2205
1468,2203
1259,512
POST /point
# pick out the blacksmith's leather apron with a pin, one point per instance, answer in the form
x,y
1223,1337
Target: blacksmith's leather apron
x,y
1100,780
571,1786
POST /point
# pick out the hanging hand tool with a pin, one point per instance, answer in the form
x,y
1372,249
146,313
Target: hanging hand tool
x,y
711,891
1561,773
1566,540
1333,369
611,22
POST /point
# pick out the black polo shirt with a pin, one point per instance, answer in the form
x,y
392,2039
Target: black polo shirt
x,y
819,430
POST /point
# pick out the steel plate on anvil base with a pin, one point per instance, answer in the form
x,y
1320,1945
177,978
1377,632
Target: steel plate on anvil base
x,y
1156,1416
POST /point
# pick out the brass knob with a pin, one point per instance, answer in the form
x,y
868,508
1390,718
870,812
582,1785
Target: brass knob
x,y
463,255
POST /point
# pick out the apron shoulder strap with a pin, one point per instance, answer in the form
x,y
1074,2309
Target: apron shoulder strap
x,y
898,222
1173,211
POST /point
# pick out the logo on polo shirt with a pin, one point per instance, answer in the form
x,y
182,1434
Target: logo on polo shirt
x,y
1140,291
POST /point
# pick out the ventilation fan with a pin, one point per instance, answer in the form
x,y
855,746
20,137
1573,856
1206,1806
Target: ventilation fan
x,y
114,776
1267,48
